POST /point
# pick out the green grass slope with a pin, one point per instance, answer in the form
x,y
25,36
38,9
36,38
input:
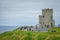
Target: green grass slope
x,y
30,35
57,29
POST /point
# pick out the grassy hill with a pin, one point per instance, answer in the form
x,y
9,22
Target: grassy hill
x,y
55,28
30,35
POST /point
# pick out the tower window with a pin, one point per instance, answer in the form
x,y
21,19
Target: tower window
x,y
43,16
47,26
51,17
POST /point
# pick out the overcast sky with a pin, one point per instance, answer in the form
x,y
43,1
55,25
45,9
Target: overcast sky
x,y
26,12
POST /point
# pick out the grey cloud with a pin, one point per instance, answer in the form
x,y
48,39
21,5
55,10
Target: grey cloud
x,y
19,10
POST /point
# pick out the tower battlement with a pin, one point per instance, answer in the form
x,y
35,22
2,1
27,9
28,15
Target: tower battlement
x,y
47,10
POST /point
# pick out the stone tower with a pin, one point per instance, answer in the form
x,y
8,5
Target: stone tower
x,y
46,19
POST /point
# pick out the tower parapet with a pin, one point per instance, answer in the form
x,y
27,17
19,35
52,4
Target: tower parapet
x,y
46,18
